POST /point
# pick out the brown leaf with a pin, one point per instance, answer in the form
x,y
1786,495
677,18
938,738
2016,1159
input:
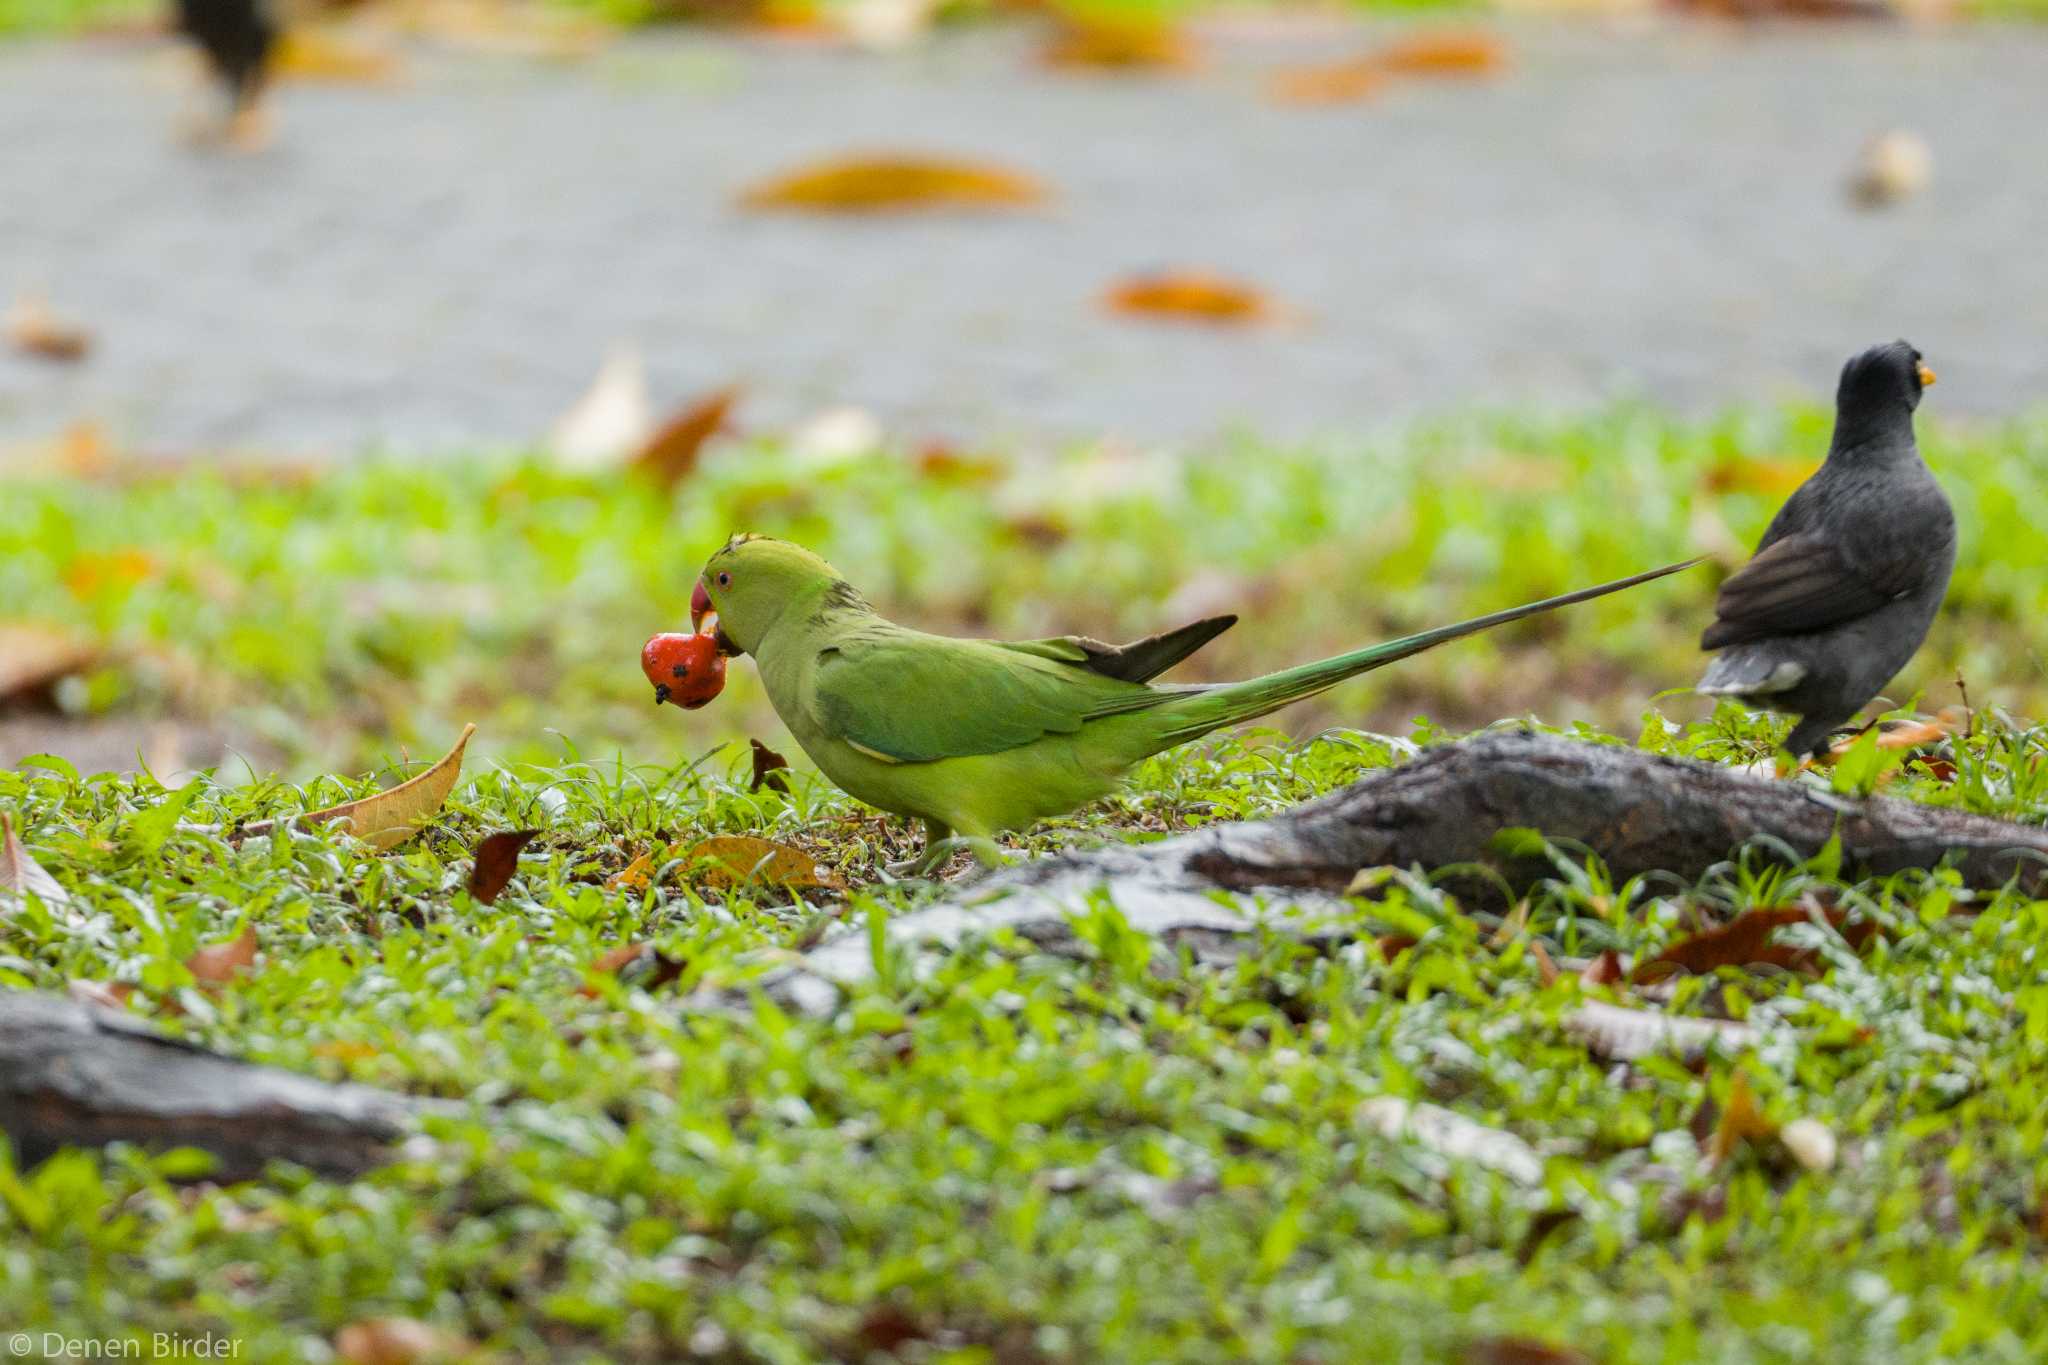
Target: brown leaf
x,y
389,818
894,183
637,964
497,858
34,657
1121,43
671,453
1546,970
1603,970
33,328
1519,1351
218,964
729,860
1192,295
1621,1034
107,996
397,1341
939,461
21,875
1740,1119
1738,474
770,768
1743,940
1345,82
1447,52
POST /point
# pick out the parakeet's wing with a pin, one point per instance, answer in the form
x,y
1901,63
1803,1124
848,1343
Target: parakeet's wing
x,y
1798,583
1138,661
913,698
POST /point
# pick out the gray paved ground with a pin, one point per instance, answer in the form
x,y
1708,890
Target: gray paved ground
x,y
1657,212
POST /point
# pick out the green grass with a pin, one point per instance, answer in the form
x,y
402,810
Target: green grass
x,y
325,622
1010,1156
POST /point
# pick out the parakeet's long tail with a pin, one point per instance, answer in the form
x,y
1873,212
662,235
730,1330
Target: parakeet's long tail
x,y
1196,713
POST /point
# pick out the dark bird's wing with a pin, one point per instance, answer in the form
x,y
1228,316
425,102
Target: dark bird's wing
x,y
1798,583
1139,661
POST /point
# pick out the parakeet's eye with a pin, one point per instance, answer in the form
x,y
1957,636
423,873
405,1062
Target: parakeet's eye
x,y
725,580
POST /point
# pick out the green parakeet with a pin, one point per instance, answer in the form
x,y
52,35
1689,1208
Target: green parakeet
x,y
975,737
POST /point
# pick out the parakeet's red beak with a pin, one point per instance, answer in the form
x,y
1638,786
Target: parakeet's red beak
x,y
700,607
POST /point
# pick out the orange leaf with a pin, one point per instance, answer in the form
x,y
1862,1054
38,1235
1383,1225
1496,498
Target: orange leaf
x,y
89,574
1737,474
671,453
497,858
894,183
1121,43
1448,52
1194,295
1344,82
637,964
101,993
635,876
1740,1119
729,860
218,964
33,328
397,1341
1603,970
344,1050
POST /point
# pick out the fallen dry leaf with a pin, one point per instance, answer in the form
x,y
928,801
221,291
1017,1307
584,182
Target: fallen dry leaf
x,y
770,768
1737,1121
100,993
729,860
1520,1351
1121,43
1603,970
1192,295
895,183
91,573
613,419
1345,82
397,1341
497,858
323,56
1620,1034
941,462
389,818
635,876
21,875
1742,941
639,965
344,1050
1742,474
671,453
218,964
34,657
32,327
1446,52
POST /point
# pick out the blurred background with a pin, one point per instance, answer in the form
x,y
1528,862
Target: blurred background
x,y
373,367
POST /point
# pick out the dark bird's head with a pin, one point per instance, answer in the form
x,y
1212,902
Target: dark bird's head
x,y
1877,395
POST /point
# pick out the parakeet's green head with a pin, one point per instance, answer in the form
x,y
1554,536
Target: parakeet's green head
x,y
751,581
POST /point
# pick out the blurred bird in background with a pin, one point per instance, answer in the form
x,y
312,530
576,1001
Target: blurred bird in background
x,y
239,38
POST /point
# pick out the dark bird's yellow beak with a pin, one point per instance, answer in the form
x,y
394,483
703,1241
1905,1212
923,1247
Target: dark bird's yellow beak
x,y
1926,376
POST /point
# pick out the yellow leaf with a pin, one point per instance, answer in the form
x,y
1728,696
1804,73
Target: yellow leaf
x,y
729,860
1121,43
1449,52
313,54
635,876
1192,295
1343,82
1741,1119
894,183
389,818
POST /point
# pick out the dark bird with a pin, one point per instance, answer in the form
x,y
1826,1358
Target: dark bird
x,y
238,37
1850,573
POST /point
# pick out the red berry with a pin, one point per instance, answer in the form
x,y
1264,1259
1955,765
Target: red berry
x,y
685,669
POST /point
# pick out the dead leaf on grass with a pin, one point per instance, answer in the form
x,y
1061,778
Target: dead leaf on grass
x,y
639,965
22,875
770,769
728,860
388,818
218,964
1445,52
1193,296
1735,1122
1741,942
398,1341
893,184
34,657
1121,43
1520,1351
33,328
670,455
497,858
